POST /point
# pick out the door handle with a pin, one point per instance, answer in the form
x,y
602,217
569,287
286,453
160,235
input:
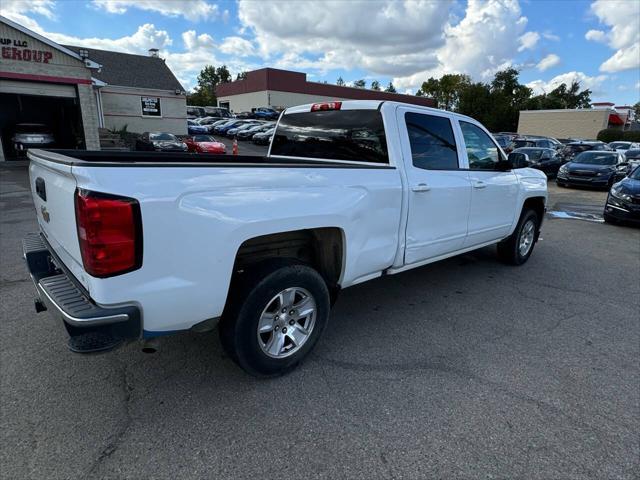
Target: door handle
x,y
479,184
421,187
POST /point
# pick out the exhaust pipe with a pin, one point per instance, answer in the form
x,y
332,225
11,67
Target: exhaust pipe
x,y
150,346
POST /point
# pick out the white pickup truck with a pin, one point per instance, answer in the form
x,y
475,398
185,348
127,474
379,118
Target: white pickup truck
x,y
139,245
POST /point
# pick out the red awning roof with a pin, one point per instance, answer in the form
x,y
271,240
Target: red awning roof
x,y
615,119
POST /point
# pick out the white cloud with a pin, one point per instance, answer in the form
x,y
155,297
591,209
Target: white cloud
x,y
237,46
550,36
595,35
480,44
145,37
17,10
547,62
193,10
384,37
528,41
622,18
593,83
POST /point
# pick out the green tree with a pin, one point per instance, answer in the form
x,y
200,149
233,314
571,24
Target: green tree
x,y
360,83
241,76
562,97
446,90
475,101
340,82
208,79
375,85
636,108
390,88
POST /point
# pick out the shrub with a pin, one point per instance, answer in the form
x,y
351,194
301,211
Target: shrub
x,y
610,135
631,136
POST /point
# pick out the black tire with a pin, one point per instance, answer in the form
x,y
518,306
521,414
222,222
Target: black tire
x,y
251,295
508,249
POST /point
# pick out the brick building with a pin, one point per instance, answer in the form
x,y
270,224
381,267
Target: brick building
x,y
270,87
75,91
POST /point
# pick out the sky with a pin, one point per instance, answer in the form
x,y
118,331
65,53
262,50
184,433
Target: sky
x,y
405,42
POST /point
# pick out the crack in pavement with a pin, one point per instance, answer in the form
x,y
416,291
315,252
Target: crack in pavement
x,y
118,437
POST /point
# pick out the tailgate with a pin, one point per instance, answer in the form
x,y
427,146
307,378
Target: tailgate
x,y
53,189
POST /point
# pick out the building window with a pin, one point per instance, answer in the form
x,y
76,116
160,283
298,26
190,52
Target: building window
x,y
150,106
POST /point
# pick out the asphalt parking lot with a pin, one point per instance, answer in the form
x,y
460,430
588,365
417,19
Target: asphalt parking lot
x,y
463,369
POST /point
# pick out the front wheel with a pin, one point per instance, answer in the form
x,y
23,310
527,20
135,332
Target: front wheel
x,y
517,248
277,318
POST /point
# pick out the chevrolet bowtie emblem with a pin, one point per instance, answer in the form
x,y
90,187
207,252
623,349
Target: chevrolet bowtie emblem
x,y
45,213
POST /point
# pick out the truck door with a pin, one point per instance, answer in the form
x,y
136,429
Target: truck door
x,y
439,190
494,192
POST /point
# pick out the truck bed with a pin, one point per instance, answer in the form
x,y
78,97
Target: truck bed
x,y
88,158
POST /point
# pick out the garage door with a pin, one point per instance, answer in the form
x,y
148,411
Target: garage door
x,y
35,88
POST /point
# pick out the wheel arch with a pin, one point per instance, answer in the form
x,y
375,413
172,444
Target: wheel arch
x,y
322,248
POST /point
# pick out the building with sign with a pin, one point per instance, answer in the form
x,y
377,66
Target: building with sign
x,y
74,91
271,87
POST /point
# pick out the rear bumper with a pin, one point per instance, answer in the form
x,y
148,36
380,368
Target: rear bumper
x,y
57,289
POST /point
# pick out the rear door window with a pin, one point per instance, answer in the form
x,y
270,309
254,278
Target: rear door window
x,y
353,135
433,146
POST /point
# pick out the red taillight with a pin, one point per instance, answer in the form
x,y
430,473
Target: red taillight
x,y
110,233
326,106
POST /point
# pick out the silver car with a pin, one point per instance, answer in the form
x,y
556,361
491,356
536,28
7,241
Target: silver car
x,y
32,135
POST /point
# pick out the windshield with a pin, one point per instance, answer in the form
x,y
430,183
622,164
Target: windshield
x,y
635,153
523,143
635,174
502,141
163,136
577,148
596,158
620,145
203,138
533,153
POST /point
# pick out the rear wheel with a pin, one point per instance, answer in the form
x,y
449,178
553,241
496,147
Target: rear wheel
x,y
517,249
276,319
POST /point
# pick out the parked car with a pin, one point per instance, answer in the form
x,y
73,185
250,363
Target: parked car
x,y
248,133
195,112
233,131
263,138
204,144
570,150
219,112
194,128
540,142
505,141
160,142
593,169
545,159
211,126
262,246
222,128
31,135
266,113
244,115
623,201
623,147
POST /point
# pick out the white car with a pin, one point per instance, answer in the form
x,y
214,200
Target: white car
x,y
622,147
135,245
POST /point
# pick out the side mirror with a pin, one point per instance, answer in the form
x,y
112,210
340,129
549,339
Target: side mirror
x,y
518,160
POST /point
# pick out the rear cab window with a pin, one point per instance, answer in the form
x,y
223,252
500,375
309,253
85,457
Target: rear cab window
x,y
433,146
346,135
